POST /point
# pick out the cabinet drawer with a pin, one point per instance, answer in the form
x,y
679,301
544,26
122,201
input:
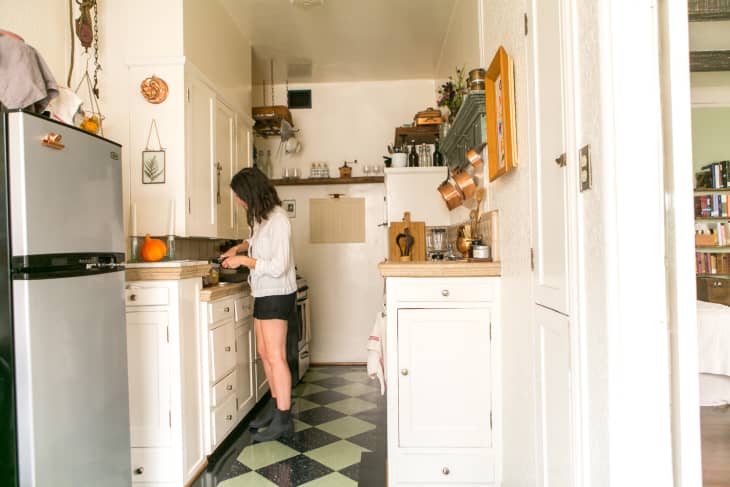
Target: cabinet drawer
x,y
242,308
225,387
223,418
445,468
446,290
153,465
220,310
151,296
222,342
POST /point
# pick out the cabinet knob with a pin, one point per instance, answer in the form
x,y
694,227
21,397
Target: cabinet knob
x,y
227,309
227,349
229,417
403,371
445,292
133,297
229,387
139,471
445,471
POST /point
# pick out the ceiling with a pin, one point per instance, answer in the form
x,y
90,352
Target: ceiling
x,y
343,40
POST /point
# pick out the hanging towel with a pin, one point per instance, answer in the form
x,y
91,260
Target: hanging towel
x,y
25,79
376,351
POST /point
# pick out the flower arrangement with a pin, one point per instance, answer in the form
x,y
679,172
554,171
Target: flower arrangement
x,y
451,93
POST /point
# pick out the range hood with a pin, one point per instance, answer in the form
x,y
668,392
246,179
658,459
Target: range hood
x,y
268,119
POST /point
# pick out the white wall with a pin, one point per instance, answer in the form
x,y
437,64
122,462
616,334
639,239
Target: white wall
x,y
345,287
216,46
347,121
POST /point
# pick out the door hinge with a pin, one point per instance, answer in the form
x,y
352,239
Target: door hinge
x,y
169,417
187,94
490,420
190,207
167,330
532,259
490,331
526,29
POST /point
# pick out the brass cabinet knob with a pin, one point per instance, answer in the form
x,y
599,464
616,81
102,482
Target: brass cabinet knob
x,y
445,471
445,293
229,387
133,297
139,470
403,371
227,309
227,349
229,417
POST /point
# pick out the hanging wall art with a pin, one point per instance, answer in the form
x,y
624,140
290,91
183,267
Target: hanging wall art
x,y
501,142
153,160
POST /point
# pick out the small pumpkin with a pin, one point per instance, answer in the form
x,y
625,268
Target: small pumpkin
x,y
152,250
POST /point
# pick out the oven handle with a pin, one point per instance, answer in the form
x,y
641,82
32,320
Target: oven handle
x,y
304,354
303,300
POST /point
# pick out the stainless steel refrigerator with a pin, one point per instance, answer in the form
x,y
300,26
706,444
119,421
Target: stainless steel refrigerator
x,y
64,408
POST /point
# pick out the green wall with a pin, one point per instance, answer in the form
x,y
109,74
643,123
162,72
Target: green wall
x,y
710,135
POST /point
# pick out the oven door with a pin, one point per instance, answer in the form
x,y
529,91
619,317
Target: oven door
x,y
302,318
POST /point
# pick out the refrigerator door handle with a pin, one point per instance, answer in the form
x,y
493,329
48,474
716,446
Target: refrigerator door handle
x,y
100,266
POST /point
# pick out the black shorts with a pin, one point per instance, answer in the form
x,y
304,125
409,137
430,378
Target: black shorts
x,y
274,307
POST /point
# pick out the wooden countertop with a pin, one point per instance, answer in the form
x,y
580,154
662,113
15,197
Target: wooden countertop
x,y
166,271
223,289
456,268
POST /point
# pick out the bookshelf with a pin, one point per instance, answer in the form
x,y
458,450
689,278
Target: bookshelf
x,y
712,224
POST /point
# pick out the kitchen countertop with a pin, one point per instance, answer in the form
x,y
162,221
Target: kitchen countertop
x,y
457,268
223,289
170,270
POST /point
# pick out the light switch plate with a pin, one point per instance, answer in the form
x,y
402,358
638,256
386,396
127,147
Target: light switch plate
x,y
586,172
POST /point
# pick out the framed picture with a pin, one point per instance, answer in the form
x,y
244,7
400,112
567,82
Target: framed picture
x,y
291,208
153,167
499,87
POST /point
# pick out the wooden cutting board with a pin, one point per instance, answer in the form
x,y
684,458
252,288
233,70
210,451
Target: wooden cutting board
x,y
418,232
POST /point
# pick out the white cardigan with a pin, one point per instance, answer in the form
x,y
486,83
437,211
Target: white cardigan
x,y
271,246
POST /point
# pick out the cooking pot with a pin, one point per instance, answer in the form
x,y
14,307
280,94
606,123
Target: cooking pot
x,y
465,183
450,194
472,155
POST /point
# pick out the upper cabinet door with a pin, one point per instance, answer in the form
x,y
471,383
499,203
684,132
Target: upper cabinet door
x,y
225,126
549,153
244,148
201,170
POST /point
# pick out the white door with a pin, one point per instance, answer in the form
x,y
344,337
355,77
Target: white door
x,y
554,413
444,381
200,112
245,393
224,165
148,352
548,145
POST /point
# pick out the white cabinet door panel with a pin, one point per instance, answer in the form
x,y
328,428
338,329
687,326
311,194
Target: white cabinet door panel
x,y
549,143
224,164
148,353
245,392
442,355
222,354
554,399
201,170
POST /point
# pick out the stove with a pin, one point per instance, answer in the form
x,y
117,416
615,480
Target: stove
x,y
305,330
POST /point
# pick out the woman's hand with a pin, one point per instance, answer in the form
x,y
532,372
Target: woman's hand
x,y
234,250
237,261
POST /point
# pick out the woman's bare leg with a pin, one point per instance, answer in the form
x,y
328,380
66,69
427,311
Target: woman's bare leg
x,y
274,333
264,353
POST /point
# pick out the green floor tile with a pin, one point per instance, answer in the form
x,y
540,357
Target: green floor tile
x,y
358,376
337,455
346,427
351,406
314,375
305,389
263,454
335,479
250,479
302,404
355,389
300,425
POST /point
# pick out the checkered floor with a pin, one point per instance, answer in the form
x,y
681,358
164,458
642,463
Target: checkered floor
x,y
338,415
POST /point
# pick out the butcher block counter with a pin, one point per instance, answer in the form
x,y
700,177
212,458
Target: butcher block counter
x,y
171,270
223,290
456,268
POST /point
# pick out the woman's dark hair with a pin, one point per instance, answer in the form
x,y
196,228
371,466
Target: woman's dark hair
x,y
255,189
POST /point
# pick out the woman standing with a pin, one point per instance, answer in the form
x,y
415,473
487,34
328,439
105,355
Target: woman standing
x,y
273,286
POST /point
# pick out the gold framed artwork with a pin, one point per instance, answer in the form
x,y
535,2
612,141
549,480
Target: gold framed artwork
x,y
499,91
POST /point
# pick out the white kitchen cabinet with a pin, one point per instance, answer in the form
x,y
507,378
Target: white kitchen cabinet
x,y
199,132
163,336
442,369
227,365
244,158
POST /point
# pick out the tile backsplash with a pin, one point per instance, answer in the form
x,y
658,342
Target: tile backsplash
x,y
197,248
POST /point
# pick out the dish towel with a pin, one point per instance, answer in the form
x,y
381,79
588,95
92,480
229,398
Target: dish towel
x,y
26,80
376,351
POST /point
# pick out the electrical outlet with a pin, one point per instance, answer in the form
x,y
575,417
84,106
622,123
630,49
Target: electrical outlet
x,y
586,172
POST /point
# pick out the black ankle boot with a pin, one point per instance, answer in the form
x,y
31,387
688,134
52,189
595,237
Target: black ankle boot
x,y
281,425
264,419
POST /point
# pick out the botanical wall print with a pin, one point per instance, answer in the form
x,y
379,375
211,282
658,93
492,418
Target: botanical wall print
x,y
153,166
153,160
291,208
501,144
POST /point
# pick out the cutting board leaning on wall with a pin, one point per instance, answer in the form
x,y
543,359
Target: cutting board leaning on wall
x,y
417,231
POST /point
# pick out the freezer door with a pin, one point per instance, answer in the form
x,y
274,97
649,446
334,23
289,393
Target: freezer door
x,y
71,382
65,200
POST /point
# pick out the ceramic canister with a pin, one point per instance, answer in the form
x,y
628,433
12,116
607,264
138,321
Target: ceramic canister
x,y
399,159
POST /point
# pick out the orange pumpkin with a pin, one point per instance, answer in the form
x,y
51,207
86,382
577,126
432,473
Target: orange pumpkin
x,y
152,249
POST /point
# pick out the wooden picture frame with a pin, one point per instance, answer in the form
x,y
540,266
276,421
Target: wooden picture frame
x,y
153,167
499,91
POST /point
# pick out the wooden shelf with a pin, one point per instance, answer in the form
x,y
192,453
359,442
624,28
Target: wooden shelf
x,y
712,190
710,248
713,218
318,181
719,276
424,134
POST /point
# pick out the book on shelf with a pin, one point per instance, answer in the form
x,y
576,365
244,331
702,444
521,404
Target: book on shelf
x,y
714,175
712,263
712,206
